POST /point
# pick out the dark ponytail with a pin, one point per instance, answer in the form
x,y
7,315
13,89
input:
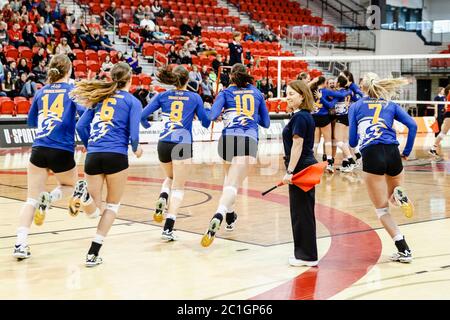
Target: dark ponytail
x,y
177,77
342,81
240,77
321,80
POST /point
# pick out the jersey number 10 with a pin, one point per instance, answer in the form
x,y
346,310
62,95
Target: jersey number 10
x,y
245,104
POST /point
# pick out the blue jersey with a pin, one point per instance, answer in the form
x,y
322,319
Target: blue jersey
x,y
112,124
323,105
243,110
341,100
372,120
356,92
53,112
178,110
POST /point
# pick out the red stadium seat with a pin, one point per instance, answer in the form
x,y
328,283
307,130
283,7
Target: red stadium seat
x,y
145,79
93,66
80,66
8,107
23,106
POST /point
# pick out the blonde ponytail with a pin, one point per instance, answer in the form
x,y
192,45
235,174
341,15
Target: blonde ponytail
x,y
90,92
382,88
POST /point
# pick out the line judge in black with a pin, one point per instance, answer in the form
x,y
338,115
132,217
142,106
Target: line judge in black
x,y
298,142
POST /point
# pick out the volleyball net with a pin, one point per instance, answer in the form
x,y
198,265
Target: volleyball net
x,y
425,74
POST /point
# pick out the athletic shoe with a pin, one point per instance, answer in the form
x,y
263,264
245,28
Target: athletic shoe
x,y
169,235
302,263
403,257
403,202
230,220
347,168
358,163
79,193
21,252
433,152
43,206
330,168
210,234
160,207
92,260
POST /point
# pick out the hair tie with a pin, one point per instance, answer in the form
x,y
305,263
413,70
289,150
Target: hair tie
x,y
55,70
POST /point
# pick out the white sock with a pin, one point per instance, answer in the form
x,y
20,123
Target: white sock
x,y
222,210
398,237
329,157
22,236
98,239
56,194
166,186
171,216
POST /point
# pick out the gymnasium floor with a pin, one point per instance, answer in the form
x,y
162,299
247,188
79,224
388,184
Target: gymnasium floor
x,y
249,263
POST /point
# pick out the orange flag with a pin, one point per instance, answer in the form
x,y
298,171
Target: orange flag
x,y
305,179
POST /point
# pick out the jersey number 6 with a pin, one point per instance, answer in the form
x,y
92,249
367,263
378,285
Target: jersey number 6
x,y
107,111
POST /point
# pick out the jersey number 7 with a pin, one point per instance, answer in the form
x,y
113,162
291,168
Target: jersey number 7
x,y
376,115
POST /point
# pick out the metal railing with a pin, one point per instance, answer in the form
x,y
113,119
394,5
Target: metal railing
x,y
344,10
106,13
157,63
136,44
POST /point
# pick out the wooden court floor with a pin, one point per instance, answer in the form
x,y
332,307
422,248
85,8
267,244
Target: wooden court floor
x,y
249,263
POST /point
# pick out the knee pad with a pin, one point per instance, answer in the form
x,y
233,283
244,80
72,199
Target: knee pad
x,y
231,189
114,207
441,135
381,212
32,202
328,144
340,144
179,194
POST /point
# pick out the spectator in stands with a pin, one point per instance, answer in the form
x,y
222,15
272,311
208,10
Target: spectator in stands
x,y
120,57
185,56
147,21
34,15
110,13
8,86
283,88
267,35
304,76
133,61
23,66
15,36
191,45
148,11
217,62
264,87
7,12
162,37
151,93
15,5
147,34
23,11
38,57
41,72
28,4
204,72
195,75
207,89
93,40
236,50
440,108
253,35
3,33
185,28
28,36
30,87
197,30
64,48
106,65
12,67
105,43
19,83
173,56
45,29
157,9
74,37
51,47
41,7
138,14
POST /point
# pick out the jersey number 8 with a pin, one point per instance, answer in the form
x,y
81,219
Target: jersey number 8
x,y
176,111
245,104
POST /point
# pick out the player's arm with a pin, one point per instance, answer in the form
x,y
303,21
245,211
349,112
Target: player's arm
x,y
32,120
217,106
356,90
83,125
135,118
202,114
403,117
152,106
336,94
327,103
353,128
80,109
263,116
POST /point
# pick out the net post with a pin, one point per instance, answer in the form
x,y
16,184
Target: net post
x,y
279,79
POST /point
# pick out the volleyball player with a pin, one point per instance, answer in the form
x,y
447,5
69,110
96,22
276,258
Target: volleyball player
x,y
445,127
244,108
341,127
372,118
322,120
109,124
53,113
178,107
